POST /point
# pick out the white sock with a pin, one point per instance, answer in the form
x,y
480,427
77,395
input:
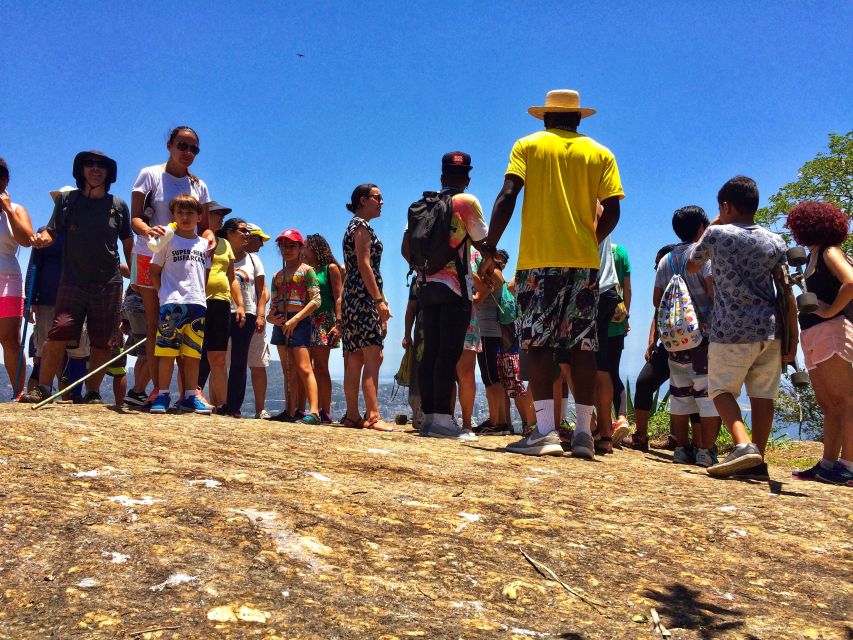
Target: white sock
x,y
189,394
742,446
584,412
564,409
544,416
827,464
847,464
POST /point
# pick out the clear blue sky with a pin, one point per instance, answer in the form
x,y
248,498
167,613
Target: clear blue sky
x,y
688,94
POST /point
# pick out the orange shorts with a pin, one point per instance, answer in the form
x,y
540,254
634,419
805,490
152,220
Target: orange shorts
x,y
140,272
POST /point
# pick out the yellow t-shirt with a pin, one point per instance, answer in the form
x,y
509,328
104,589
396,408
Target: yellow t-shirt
x,y
218,287
564,174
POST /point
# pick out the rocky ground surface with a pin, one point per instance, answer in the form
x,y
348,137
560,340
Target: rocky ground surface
x,y
123,525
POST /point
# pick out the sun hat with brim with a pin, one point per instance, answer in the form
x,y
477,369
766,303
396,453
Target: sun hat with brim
x,y
290,234
214,207
561,101
255,230
77,167
55,194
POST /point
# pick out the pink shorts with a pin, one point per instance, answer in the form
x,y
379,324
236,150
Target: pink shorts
x,y
822,341
11,296
140,272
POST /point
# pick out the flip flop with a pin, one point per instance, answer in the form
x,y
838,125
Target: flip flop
x,y
374,424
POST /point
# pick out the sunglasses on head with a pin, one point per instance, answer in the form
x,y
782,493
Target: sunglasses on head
x,y
183,146
93,162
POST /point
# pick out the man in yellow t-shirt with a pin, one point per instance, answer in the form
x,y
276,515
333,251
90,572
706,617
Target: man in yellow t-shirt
x,y
564,175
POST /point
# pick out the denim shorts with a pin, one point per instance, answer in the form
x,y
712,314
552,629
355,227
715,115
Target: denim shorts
x,y
301,336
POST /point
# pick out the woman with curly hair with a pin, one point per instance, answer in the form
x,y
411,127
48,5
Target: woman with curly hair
x,y
326,319
826,336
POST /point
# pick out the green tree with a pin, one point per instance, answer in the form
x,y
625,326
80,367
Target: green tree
x,y
828,177
799,407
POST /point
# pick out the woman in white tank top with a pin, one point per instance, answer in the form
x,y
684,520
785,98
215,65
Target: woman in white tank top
x,y
15,230
149,210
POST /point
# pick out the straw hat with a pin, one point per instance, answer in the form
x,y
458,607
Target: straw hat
x,y
561,101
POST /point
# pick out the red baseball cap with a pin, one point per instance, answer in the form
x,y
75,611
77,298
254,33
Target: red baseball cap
x,y
290,234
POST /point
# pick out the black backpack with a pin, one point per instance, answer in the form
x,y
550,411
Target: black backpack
x,y
429,233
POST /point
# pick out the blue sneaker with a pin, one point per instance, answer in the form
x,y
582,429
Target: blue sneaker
x,y
194,404
807,474
839,475
160,404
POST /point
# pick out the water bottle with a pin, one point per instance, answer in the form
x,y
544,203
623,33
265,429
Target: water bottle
x,y
155,243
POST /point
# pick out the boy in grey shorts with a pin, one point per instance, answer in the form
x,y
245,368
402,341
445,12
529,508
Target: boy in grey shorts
x,y
745,327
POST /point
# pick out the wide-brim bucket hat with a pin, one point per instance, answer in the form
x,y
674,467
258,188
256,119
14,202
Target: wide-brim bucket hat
x,y
77,168
561,101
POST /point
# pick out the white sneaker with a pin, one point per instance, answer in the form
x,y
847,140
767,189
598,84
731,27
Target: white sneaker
x,y
535,444
263,414
583,445
452,431
620,431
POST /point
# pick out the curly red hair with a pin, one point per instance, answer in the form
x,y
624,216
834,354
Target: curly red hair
x,y
817,223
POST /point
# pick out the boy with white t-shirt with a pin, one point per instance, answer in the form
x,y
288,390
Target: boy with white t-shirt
x,y
179,273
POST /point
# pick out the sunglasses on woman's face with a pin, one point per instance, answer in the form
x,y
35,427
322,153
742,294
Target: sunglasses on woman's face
x,y
91,162
242,230
183,146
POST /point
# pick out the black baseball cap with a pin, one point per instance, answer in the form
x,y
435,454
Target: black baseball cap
x,y
456,162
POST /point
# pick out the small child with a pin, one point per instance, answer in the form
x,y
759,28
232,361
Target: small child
x,y
118,369
745,324
76,366
688,369
179,273
295,296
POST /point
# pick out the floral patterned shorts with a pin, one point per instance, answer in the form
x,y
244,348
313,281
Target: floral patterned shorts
x,y
558,307
322,323
472,334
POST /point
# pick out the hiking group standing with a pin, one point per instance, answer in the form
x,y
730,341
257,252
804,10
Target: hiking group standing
x,y
723,319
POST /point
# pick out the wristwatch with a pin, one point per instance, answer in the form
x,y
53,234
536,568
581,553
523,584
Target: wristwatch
x,y
379,299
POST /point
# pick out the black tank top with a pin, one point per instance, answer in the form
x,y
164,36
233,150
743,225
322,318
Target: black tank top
x,y
825,286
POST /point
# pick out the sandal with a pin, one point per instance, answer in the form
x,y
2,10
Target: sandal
x,y
638,442
604,445
376,426
351,423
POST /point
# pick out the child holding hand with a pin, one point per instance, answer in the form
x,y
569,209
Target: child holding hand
x,y
179,272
